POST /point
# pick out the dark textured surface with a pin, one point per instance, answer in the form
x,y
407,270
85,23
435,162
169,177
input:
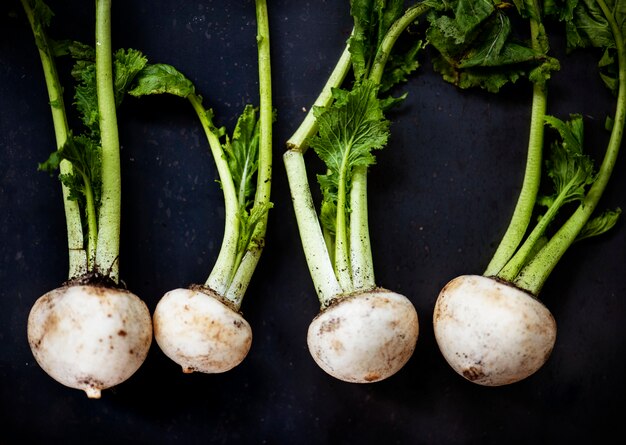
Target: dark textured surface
x,y
440,198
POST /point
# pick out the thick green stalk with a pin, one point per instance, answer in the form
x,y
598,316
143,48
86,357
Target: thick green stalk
x,y
534,275
360,248
299,140
222,271
77,254
361,261
313,242
388,42
510,271
108,247
359,257
244,271
532,175
343,269
92,224
318,260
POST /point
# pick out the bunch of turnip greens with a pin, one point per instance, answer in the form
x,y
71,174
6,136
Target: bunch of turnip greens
x,y
492,329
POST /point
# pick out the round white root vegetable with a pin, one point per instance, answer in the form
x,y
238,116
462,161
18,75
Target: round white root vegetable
x,y
200,332
364,337
491,332
89,337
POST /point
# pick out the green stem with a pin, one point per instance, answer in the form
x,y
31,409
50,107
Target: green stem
x,y
510,271
532,175
318,260
534,275
222,271
362,264
108,247
397,28
299,140
77,254
342,248
245,270
313,240
92,224
360,248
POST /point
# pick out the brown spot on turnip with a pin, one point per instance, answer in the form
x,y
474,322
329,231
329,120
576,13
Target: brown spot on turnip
x,y
330,325
451,286
122,333
337,345
371,377
473,373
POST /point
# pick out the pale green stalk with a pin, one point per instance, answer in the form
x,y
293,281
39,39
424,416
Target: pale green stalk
x,y
510,271
342,247
299,140
313,242
92,224
361,261
532,175
396,29
244,271
77,254
352,256
108,247
318,260
533,276
220,275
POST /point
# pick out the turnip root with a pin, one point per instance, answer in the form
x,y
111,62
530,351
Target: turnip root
x,y
200,331
365,337
491,332
89,337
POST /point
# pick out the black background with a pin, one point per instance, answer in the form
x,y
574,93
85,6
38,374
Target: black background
x,y
440,199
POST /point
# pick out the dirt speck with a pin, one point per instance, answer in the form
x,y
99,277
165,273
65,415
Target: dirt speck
x,y
473,373
337,346
371,377
330,325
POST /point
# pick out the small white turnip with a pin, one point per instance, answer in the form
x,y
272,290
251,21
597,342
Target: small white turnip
x,y
491,332
201,328
200,331
364,333
364,337
89,337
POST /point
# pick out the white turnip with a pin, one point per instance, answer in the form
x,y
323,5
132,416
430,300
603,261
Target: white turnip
x,y
492,329
364,333
201,328
89,337
365,337
200,331
491,332
89,334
